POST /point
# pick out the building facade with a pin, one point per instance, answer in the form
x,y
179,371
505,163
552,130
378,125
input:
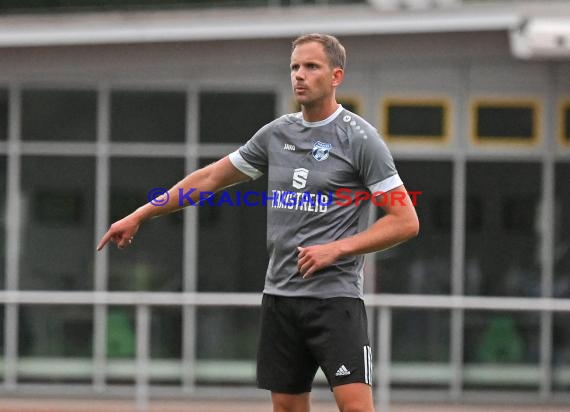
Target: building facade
x,y
98,110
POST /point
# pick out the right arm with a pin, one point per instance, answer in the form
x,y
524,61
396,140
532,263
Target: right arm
x,y
211,178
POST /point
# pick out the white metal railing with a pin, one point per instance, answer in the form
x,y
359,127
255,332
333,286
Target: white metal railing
x,y
384,303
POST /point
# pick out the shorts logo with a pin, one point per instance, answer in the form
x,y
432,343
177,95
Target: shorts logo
x,y
300,178
321,151
342,371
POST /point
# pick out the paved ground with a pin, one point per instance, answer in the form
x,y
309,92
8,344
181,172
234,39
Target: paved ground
x,y
24,405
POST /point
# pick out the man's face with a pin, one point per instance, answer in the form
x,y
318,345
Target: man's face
x,y
312,78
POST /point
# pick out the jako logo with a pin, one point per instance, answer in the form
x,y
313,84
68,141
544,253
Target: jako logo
x,y
290,147
300,178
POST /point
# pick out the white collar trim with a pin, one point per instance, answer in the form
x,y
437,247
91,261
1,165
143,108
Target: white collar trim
x,y
325,121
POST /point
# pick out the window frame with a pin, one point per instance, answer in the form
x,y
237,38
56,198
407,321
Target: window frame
x,y
506,102
443,101
563,107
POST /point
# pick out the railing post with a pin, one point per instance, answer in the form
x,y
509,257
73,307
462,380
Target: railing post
x,y
384,340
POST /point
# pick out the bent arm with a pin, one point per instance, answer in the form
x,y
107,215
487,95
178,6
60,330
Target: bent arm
x,y
398,225
211,178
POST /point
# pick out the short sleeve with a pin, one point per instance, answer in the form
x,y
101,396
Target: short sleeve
x,y
375,163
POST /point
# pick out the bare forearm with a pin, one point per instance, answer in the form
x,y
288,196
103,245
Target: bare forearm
x,y
189,190
178,196
383,234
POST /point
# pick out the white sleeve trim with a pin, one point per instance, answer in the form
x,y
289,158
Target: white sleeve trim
x,y
241,164
387,184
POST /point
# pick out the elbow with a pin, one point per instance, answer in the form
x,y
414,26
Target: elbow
x,y
412,228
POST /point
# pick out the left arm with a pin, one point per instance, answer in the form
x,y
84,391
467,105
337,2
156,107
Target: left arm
x,y
398,225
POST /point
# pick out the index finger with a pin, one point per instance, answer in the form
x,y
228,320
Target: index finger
x,y
104,241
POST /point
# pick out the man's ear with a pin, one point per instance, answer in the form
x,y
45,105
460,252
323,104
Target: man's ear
x,y
338,76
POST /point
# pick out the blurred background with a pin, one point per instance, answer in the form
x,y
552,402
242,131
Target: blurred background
x,y
102,101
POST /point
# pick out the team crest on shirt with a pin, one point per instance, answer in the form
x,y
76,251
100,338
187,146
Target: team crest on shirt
x,y
321,151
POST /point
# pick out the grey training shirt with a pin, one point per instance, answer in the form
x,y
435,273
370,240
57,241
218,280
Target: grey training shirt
x,y
314,171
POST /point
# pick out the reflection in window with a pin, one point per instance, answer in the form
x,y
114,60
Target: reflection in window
x,y
57,223
562,232
425,120
55,331
121,334
496,344
502,256
3,114
505,121
422,265
155,261
227,117
239,232
55,115
121,343
166,333
148,116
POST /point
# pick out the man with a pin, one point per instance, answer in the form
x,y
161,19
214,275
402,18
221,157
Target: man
x,y
312,311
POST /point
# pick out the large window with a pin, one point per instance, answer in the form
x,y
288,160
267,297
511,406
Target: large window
x,y
502,241
59,115
156,261
422,265
233,117
57,233
416,120
232,255
237,233
74,144
147,116
50,331
561,251
505,121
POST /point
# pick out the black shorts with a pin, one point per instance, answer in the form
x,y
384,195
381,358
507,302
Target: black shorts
x,y
300,334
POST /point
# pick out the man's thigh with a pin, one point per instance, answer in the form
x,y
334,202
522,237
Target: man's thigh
x,y
338,337
284,362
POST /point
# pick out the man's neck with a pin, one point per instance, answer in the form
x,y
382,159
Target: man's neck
x,y
318,113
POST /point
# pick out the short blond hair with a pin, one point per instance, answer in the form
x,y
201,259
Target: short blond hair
x,y
333,48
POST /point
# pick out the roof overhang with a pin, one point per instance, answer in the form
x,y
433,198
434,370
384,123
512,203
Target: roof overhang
x,y
226,24
270,22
